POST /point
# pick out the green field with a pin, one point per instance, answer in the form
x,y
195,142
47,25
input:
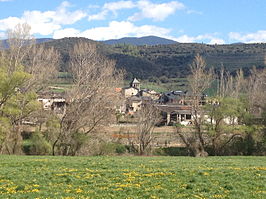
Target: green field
x,y
132,177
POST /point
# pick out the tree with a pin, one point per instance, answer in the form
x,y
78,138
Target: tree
x,y
256,98
229,86
199,80
147,117
256,87
24,67
224,122
91,101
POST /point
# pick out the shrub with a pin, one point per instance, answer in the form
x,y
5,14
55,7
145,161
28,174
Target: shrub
x,y
171,151
109,148
164,79
120,149
36,145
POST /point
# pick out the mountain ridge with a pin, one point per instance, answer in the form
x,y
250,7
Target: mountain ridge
x,y
4,42
172,60
147,40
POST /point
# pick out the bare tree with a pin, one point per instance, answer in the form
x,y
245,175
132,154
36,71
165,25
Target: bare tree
x,y
199,80
147,118
256,91
19,41
221,83
42,64
91,101
23,54
229,86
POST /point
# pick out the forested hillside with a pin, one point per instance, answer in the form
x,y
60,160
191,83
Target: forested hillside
x,y
171,60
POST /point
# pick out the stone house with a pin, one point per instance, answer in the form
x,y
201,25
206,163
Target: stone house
x,y
149,93
129,92
54,103
175,113
133,104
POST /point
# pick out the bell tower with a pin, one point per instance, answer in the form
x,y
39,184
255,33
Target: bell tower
x,y
135,84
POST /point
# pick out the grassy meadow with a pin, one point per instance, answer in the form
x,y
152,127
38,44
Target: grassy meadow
x,y
132,177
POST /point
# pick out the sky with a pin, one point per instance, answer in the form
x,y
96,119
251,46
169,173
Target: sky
x,y
187,21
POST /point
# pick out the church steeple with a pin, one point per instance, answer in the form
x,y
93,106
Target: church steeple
x,y
135,84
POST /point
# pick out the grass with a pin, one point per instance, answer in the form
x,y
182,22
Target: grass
x,y
64,82
153,86
173,84
132,177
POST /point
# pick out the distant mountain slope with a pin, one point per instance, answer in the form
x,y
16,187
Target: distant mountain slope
x,y
149,40
42,40
4,42
173,60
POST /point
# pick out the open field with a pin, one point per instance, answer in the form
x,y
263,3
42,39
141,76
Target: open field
x,y
132,177
132,128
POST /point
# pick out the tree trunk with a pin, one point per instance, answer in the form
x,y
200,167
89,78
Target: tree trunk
x,y
198,150
200,153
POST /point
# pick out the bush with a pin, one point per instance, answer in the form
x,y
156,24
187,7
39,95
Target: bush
x,y
154,79
111,149
249,144
37,145
164,79
171,151
120,149
159,152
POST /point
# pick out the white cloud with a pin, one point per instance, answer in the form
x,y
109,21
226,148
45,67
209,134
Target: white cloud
x,y
5,0
147,9
67,32
111,7
185,39
41,22
9,23
62,16
47,22
114,30
99,16
157,12
256,37
121,29
217,41
114,6
206,38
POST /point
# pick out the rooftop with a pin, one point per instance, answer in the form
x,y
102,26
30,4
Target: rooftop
x,y
135,81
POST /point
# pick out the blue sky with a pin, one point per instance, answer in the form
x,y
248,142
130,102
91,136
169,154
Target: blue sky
x,y
208,21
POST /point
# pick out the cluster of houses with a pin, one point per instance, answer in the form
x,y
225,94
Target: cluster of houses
x,y
174,105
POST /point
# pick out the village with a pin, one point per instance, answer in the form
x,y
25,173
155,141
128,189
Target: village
x,y
175,106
